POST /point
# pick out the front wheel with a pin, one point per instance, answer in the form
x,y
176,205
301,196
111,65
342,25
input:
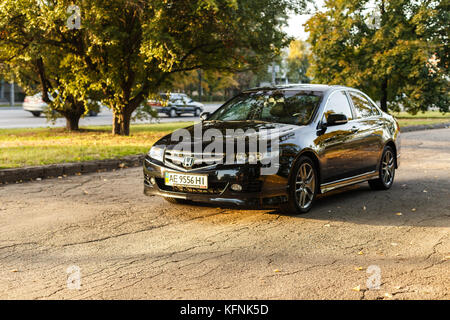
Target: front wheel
x,y
303,187
172,113
386,171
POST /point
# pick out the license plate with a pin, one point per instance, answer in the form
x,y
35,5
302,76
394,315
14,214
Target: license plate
x,y
186,180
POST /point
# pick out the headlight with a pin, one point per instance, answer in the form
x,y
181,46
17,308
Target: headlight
x,y
156,153
254,157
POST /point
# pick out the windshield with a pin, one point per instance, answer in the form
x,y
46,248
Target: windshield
x,y
291,107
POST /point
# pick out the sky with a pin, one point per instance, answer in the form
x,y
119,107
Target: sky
x,y
295,26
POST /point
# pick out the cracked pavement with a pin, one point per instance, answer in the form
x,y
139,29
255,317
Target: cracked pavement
x,y
129,246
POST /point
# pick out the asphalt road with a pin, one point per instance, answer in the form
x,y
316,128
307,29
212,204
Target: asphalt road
x,y
18,118
127,245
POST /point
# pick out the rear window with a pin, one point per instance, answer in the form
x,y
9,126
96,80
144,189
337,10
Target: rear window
x,y
364,108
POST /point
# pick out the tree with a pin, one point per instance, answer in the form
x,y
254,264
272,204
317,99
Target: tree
x,y
135,47
36,50
386,48
297,62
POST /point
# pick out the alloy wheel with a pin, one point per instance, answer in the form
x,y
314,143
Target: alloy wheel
x,y
305,185
387,168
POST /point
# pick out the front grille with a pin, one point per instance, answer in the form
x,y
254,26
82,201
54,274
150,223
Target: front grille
x,y
174,158
213,188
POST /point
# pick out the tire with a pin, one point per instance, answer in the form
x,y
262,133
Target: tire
x,y
172,113
386,172
36,113
176,200
301,199
197,112
92,114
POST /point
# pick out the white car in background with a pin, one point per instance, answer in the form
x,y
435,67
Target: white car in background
x,y
36,105
175,104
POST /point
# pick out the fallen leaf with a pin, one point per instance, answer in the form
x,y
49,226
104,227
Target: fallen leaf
x,y
425,191
358,268
360,253
394,244
446,258
38,179
399,214
388,295
326,225
413,209
85,192
364,208
276,270
14,270
357,288
397,287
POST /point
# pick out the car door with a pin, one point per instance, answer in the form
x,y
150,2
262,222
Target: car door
x,y
337,144
179,104
189,104
370,133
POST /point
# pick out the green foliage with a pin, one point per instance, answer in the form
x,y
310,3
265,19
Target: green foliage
x,y
297,62
127,50
403,60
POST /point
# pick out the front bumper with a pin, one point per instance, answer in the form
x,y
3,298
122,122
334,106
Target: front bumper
x,y
265,191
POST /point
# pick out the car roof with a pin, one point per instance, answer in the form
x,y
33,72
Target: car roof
x,y
301,86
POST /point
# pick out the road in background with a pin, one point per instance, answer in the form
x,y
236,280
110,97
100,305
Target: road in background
x,y
18,118
129,246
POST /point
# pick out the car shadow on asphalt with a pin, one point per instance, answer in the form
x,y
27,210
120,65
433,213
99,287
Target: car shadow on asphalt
x,y
406,203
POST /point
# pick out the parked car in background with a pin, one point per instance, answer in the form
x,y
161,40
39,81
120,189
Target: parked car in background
x,y
175,104
36,105
329,137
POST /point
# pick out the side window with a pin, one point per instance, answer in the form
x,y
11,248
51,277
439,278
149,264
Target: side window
x,y
339,104
363,107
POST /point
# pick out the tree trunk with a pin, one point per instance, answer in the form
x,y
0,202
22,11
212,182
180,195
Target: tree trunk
x,y
384,95
121,123
72,121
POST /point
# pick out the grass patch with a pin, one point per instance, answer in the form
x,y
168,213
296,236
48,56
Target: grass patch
x,y
422,115
422,118
419,122
39,146
29,147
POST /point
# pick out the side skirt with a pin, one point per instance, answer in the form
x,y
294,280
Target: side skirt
x,y
348,181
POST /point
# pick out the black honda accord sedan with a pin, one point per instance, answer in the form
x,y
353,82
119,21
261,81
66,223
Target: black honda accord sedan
x,y
277,147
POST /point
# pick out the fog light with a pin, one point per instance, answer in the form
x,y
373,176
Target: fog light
x,y
236,187
152,180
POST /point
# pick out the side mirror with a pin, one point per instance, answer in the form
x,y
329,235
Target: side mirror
x,y
335,119
204,116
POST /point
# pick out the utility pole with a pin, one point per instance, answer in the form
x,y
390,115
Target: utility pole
x,y
200,89
274,78
2,89
11,94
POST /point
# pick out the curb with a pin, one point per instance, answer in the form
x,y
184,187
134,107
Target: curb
x,y
68,169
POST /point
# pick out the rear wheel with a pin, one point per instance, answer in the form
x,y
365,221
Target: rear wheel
x,y
303,187
197,112
386,172
36,113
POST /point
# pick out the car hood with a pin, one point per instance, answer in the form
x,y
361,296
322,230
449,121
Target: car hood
x,y
250,129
